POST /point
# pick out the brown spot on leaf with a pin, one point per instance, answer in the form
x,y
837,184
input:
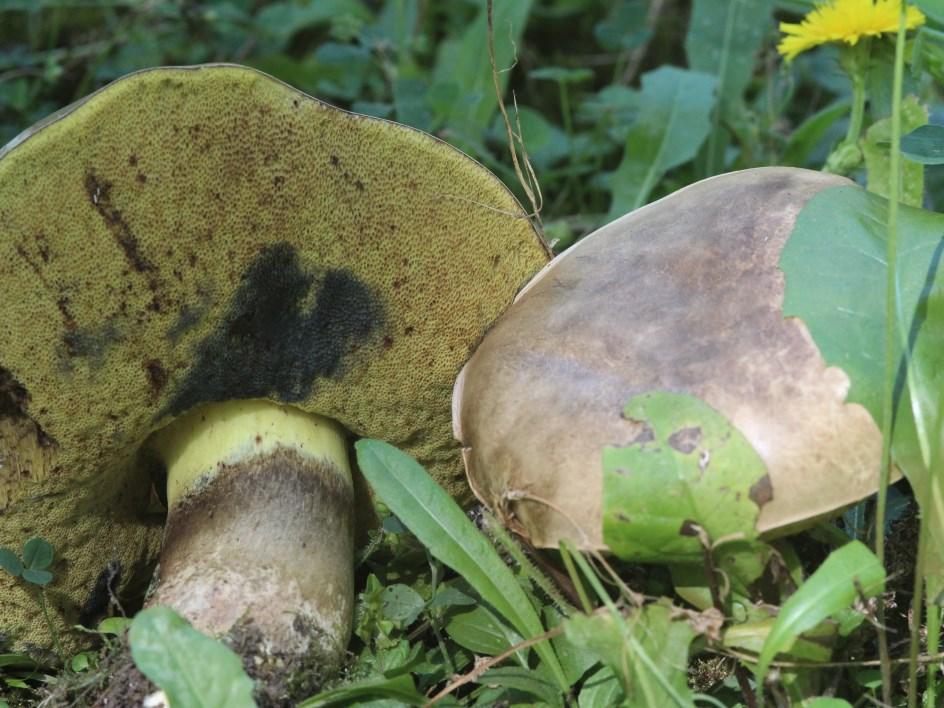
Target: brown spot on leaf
x,y
762,491
685,440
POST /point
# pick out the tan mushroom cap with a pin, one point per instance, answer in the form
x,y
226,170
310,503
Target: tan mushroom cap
x,y
684,295
209,233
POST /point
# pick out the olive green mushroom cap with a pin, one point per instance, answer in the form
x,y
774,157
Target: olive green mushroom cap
x,y
684,295
208,233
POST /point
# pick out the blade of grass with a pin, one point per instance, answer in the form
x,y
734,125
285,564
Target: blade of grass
x,y
438,522
891,333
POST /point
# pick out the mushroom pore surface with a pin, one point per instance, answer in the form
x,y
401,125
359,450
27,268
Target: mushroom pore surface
x,y
205,234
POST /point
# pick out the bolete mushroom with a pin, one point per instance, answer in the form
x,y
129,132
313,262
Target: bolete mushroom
x,y
207,267
686,296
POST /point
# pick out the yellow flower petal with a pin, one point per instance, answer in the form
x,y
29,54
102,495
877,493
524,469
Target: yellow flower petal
x,y
844,21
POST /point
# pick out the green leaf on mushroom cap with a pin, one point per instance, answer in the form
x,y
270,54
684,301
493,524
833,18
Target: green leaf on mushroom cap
x,y
845,314
687,466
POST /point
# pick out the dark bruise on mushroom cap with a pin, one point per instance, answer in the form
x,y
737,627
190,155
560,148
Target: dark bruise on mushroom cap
x,y
684,295
200,234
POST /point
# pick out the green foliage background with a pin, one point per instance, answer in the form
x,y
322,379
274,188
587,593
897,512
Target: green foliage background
x,y
618,102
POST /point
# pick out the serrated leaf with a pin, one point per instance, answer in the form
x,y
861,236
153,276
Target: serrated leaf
x,y
438,522
925,145
37,554
847,573
673,121
191,668
691,467
10,562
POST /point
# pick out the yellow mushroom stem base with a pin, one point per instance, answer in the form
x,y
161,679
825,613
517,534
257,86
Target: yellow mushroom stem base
x,y
259,535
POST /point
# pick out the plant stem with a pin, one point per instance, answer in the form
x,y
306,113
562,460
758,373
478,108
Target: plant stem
x,y
891,359
917,601
858,106
933,622
52,627
575,578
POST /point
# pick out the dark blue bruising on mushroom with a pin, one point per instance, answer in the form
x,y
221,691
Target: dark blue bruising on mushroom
x,y
271,343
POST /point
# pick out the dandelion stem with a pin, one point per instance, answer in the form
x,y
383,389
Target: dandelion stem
x,y
891,353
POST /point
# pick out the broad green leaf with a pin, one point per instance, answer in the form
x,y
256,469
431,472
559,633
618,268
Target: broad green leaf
x,y
525,680
648,651
847,573
925,145
401,604
399,688
439,524
823,702
674,118
690,467
875,148
191,668
846,319
481,632
37,554
10,562
932,8
601,690
724,37
464,61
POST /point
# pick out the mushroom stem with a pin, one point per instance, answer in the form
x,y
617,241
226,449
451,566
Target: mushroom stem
x,y
259,537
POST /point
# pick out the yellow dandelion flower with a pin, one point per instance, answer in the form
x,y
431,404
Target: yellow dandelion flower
x,y
844,21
